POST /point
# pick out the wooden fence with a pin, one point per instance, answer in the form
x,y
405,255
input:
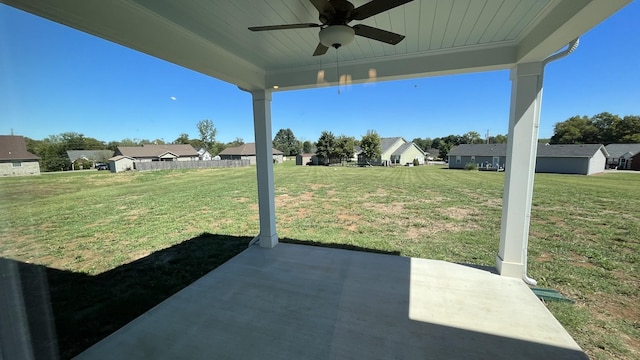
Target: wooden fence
x,y
204,164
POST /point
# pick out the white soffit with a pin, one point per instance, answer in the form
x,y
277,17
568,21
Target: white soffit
x,y
442,36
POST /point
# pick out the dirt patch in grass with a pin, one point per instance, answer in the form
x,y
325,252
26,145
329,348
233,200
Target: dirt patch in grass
x,y
394,208
318,186
621,308
458,213
349,221
136,213
494,203
581,261
379,192
543,257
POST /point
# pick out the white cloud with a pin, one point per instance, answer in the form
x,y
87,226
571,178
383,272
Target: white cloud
x,y
173,98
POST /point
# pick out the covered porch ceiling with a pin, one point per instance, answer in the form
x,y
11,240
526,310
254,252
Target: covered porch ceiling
x,y
442,36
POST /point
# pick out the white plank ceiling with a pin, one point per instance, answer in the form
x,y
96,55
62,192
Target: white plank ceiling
x,y
442,36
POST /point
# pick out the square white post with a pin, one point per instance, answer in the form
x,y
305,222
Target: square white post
x,y
264,166
522,146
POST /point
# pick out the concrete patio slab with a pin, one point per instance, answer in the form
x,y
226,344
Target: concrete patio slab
x,y
305,302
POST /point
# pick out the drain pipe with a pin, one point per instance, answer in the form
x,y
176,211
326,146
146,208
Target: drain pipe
x,y
571,47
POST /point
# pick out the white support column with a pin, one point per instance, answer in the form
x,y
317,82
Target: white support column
x,y
264,165
524,120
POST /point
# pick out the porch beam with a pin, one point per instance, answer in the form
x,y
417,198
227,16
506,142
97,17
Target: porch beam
x,y
524,120
268,237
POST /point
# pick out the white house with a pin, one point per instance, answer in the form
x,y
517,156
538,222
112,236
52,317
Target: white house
x,y
203,154
397,151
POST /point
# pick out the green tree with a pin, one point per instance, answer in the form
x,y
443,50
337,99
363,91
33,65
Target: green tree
x,y
182,139
325,147
216,148
286,142
472,137
128,142
628,130
607,126
345,147
236,142
575,130
498,139
52,153
307,146
370,145
424,144
207,133
444,150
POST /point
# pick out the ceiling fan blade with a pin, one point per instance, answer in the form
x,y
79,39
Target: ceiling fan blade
x,y
320,50
323,7
284,27
378,34
375,7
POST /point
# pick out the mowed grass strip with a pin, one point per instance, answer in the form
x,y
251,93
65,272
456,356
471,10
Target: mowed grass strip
x,y
584,231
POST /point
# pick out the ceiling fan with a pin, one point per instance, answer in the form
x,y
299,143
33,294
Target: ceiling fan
x,y
334,15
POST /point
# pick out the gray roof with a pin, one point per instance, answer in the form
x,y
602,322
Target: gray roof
x,y
479,150
617,150
404,148
151,150
14,148
565,150
248,149
386,143
570,150
95,155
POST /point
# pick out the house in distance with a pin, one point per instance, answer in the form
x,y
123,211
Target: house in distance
x,y
584,159
248,152
15,160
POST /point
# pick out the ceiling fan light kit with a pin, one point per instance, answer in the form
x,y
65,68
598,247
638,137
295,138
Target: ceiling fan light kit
x,y
334,15
336,36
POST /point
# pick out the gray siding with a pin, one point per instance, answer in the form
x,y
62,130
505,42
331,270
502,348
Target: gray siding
x,y
480,161
563,165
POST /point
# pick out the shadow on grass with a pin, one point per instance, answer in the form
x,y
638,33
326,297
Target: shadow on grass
x,y
88,308
67,312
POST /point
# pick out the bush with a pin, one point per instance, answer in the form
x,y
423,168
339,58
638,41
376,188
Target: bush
x,y
470,166
416,162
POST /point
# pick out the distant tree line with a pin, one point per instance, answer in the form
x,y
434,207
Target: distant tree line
x,y
331,148
604,128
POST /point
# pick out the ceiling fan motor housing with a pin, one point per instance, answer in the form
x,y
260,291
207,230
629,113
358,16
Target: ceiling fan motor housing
x,y
336,36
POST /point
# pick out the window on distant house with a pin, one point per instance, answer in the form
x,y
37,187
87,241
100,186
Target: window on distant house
x,y
16,163
458,159
473,158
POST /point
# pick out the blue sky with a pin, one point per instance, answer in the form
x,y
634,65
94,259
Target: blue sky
x,y
54,79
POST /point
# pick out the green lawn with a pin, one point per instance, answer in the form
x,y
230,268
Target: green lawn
x,y
114,245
